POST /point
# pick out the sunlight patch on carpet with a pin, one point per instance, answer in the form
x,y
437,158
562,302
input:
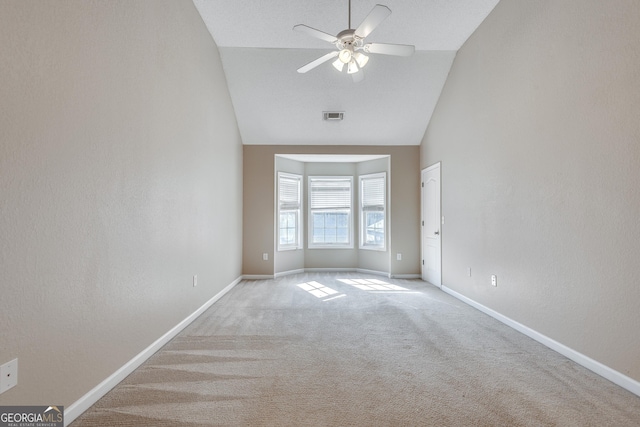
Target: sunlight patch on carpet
x,y
320,291
375,285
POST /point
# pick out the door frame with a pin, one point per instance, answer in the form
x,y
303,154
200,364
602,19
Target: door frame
x,y
422,228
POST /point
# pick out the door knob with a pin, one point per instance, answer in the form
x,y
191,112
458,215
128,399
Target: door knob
x,y
437,233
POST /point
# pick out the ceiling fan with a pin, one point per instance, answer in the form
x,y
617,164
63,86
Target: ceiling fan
x,y
350,44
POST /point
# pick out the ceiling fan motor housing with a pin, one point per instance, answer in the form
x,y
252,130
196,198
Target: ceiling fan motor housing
x,y
348,40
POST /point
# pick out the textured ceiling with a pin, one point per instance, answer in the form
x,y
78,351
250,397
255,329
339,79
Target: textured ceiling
x,y
393,104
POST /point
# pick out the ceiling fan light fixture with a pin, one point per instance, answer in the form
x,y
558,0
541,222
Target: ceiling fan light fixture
x,y
345,56
361,59
338,65
352,67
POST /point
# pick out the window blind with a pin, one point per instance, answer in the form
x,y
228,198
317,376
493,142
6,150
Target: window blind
x,y
332,193
289,192
373,193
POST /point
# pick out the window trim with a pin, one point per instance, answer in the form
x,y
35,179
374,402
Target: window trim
x,y
300,221
361,209
310,243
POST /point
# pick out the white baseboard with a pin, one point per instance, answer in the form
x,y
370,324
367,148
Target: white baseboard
x,y
593,365
406,276
289,273
374,272
258,276
85,402
329,270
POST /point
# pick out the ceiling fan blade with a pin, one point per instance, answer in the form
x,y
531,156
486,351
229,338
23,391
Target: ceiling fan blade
x,y
315,33
313,64
375,17
390,49
358,77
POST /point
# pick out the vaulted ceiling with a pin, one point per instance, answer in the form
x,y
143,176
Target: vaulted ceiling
x,y
275,105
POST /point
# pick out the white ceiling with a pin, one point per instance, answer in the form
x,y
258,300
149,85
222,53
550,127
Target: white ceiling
x,y
275,105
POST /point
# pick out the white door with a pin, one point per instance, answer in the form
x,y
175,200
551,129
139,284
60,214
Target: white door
x,y
431,232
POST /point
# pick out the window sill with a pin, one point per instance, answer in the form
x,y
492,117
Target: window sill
x,y
287,249
330,247
373,248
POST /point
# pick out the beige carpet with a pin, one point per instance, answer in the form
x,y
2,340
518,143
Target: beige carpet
x,y
357,350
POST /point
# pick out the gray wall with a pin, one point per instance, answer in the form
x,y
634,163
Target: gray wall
x,y
121,177
537,129
404,210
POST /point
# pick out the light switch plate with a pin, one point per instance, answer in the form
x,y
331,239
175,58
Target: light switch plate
x,y
8,375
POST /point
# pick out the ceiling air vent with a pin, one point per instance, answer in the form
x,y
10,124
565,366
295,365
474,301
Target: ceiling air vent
x,y
333,115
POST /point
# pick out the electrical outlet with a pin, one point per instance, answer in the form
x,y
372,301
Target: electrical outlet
x,y
398,256
8,375
494,280
195,280
265,256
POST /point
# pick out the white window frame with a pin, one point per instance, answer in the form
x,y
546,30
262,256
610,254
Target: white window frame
x,y
372,206
348,209
296,208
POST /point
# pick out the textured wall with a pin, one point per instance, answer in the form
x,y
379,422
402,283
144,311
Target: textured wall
x,y
121,177
258,234
538,133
